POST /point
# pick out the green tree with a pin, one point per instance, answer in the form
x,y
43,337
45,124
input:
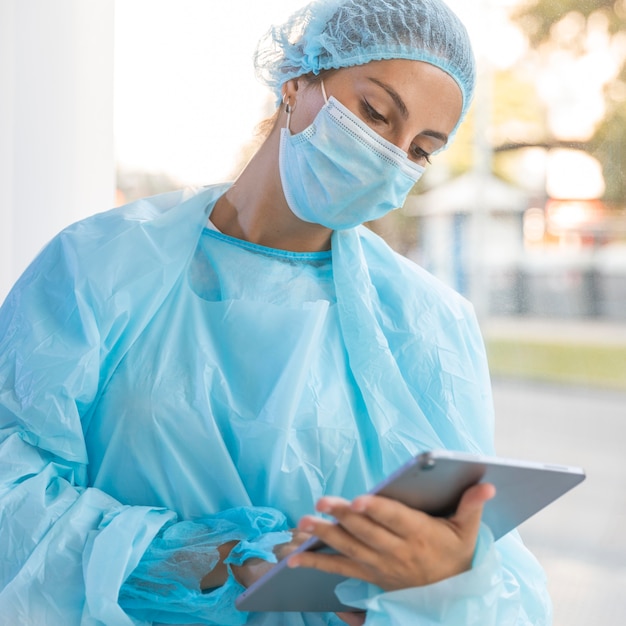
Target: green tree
x,y
565,24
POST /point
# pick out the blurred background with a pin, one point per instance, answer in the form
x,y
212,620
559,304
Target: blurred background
x,y
103,102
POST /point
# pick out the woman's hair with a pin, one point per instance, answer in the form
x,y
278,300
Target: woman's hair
x,y
331,34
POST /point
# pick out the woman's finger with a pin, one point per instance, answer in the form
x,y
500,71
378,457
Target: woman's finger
x,y
469,512
281,550
380,539
331,563
353,619
397,518
338,538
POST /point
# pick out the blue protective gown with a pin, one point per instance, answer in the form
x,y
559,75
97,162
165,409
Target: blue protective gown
x,y
165,388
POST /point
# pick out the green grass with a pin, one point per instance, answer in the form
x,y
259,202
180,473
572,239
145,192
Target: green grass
x,y
590,365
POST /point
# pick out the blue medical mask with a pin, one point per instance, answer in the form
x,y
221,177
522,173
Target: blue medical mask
x,y
339,173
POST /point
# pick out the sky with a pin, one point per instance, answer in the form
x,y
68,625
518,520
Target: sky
x,y
186,97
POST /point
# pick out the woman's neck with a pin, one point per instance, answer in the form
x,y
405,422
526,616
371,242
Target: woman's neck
x,y
254,208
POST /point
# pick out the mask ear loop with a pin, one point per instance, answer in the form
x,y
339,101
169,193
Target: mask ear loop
x,y
324,91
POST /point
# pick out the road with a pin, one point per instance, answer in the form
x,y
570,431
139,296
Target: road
x,y
580,539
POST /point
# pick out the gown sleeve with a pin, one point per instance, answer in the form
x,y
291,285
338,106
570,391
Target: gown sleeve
x,y
68,548
506,585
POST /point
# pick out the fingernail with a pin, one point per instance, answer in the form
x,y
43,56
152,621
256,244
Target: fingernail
x,y
292,562
306,526
323,506
358,506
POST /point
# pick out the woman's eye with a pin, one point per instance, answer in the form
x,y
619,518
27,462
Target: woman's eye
x,y
418,154
372,113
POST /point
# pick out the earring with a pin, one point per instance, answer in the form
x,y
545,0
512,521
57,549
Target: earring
x,y
288,109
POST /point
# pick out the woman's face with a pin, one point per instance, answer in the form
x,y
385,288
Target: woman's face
x,y
413,105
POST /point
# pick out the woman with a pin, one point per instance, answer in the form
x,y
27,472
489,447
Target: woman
x,y
186,378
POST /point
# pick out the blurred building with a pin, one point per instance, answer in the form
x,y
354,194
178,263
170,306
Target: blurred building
x,y
471,236
491,242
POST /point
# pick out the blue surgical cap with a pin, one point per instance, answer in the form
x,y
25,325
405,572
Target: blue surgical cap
x,y
331,34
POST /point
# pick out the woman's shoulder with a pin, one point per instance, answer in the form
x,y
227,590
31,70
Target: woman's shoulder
x,y
174,209
143,234
398,279
111,257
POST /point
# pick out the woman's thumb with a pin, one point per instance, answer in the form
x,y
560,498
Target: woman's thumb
x,y
470,509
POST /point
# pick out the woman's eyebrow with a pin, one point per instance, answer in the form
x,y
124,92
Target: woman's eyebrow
x,y
395,96
436,135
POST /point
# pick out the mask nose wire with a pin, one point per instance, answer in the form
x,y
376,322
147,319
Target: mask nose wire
x,y
326,100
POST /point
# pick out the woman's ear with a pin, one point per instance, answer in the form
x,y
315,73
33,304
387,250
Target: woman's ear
x,y
290,91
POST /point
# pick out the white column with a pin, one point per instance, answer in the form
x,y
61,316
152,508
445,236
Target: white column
x,y
57,161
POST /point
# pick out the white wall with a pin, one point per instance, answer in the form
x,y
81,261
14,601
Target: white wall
x,y
57,161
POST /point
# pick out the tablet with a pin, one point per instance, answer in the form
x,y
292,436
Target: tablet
x,y
432,482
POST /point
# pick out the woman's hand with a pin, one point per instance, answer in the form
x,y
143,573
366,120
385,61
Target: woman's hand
x,y
353,619
391,545
252,569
